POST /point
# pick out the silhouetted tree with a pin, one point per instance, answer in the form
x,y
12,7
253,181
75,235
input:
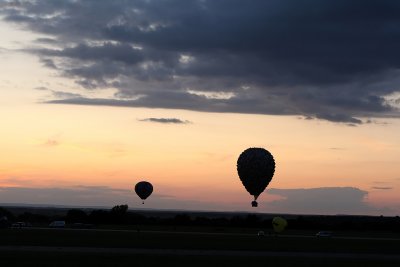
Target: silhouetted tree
x,y
119,210
99,216
76,216
134,218
252,220
5,217
6,213
202,220
33,218
118,213
182,219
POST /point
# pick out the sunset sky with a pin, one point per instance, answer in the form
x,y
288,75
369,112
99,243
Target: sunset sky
x,y
98,95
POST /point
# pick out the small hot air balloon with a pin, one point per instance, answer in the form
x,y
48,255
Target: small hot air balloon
x,y
255,167
279,224
143,189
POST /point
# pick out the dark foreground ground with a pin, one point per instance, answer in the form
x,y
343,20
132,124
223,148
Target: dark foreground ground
x,y
122,237
106,247
137,259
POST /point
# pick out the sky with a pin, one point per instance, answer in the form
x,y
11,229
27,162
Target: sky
x,y
96,96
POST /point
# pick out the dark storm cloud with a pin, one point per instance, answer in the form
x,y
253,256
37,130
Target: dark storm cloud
x,y
166,120
325,200
10,4
332,60
106,52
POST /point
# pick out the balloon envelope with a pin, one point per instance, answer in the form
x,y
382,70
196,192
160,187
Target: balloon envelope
x,y
255,167
143,189
279,224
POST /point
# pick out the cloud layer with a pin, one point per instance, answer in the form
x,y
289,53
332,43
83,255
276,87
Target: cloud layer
x,y
166,120
98,196
324,200
332,60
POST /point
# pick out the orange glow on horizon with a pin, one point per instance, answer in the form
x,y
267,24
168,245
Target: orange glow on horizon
x,y
61,146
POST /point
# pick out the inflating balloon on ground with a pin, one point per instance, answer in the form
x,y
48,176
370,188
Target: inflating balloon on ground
x,y
279,224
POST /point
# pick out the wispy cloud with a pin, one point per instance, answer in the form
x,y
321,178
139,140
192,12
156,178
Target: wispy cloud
x,y
41,88
46,40
15,180
384,123
382,187
62,94
166,120
337,148
51,142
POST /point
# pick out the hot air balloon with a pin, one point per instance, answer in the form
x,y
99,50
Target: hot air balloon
x,y
255,167
143,189
279,224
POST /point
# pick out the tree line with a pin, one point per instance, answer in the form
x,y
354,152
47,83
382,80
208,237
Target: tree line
x,y
120,215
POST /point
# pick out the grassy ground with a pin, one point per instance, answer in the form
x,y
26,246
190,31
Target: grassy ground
x,y
171,240
202,241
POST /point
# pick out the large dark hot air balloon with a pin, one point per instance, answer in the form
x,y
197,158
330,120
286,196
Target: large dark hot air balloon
x,y
255,167
143,189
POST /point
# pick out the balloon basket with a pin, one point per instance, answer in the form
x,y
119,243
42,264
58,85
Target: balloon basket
x,y
254,204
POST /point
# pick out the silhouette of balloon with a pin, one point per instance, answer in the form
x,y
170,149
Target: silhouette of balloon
x,y
279,224
143,189
255,167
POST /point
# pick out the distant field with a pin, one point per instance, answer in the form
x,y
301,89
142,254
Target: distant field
x,y
212,242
